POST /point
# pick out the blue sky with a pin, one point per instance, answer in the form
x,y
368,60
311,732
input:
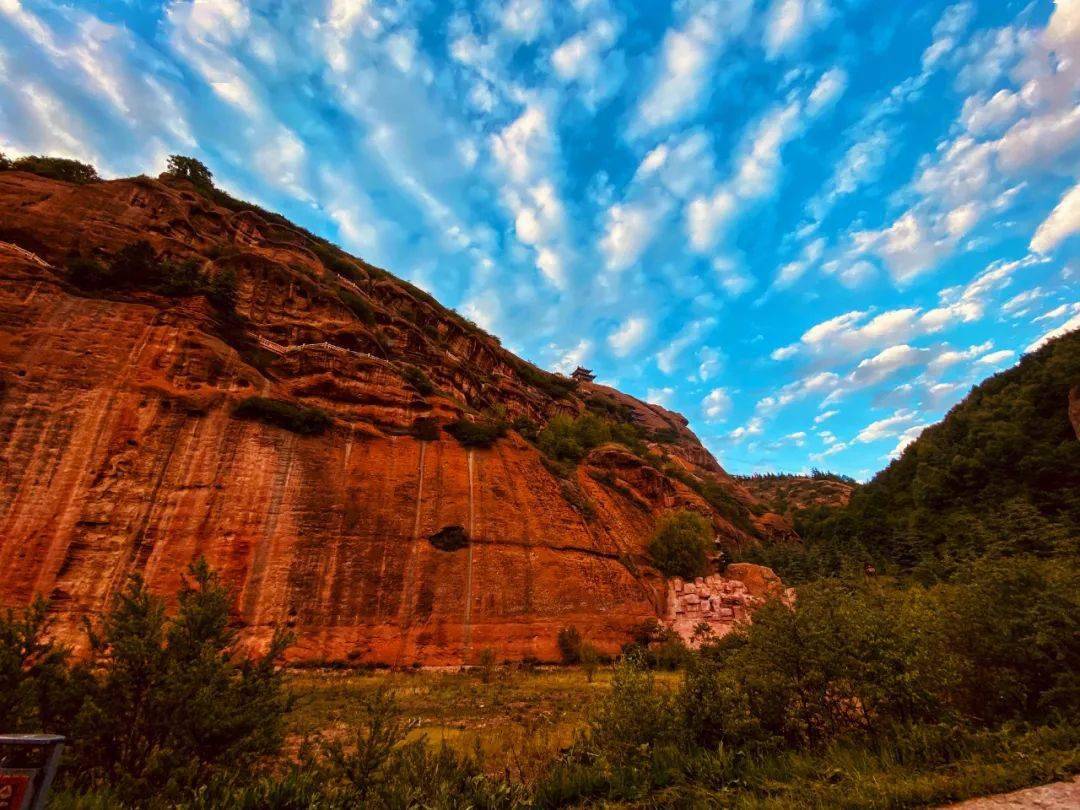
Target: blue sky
x,y
808,225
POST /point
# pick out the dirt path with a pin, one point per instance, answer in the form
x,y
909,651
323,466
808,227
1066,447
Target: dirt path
x,y
1058,796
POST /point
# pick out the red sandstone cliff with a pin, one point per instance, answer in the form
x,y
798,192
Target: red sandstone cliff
x,y
120,453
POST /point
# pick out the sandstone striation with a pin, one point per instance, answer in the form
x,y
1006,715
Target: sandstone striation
x,y
120,452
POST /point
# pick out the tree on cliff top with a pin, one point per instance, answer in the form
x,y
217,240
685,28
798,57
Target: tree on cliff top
x,y
680,545
190,169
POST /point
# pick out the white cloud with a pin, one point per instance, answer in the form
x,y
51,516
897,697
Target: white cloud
x,y
829,88
789,22
989,116
906,438
629,335
1020,303
712,360
716,405
1063,222
524,19
755,426
888,427
688,54
526,145
570,359
660,396
886,363
1058,312
1068,326
950,357
667,358
995,358
821,417
627,232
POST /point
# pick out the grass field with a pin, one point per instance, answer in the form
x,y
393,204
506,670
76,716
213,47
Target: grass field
x,y
516,719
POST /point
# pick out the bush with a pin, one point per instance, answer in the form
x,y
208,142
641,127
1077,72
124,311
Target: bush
x,y
171,703
680,545
70,171
482,432
569,641
568,439
297,418
137,266
163,708
358,305
418,380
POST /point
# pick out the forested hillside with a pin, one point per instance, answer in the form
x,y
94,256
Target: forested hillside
x,y
999,476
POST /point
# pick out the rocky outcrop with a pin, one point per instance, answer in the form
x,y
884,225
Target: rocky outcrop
x,y
712,606
374,541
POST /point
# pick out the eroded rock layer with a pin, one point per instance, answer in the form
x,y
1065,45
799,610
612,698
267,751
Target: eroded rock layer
x,y
120,452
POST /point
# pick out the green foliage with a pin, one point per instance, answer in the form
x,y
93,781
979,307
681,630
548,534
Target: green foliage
x,y
137,266
553,385
358,305
190,169
419,380
297,418
481,432
856,676
569,642
55,168
717,495
680,545
999,476
171,704
37,689
568,439
165,706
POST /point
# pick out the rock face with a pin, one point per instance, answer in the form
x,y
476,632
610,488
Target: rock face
x,y
719,602
120,453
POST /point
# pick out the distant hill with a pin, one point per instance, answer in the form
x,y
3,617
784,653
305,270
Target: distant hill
x,y
998,476
790,494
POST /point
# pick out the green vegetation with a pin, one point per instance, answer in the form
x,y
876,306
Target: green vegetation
x,y
681,543
999,476
55,168
419,380
906,686
358,306
164,707
137,266
568,439
863,693
480,432
553,385
717,496
190,169
297,418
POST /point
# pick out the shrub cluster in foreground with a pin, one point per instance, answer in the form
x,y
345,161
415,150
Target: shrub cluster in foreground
x,y
860,687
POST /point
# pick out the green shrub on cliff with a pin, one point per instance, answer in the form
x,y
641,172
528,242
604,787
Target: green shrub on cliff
x,y
680,545
55,168
297,418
